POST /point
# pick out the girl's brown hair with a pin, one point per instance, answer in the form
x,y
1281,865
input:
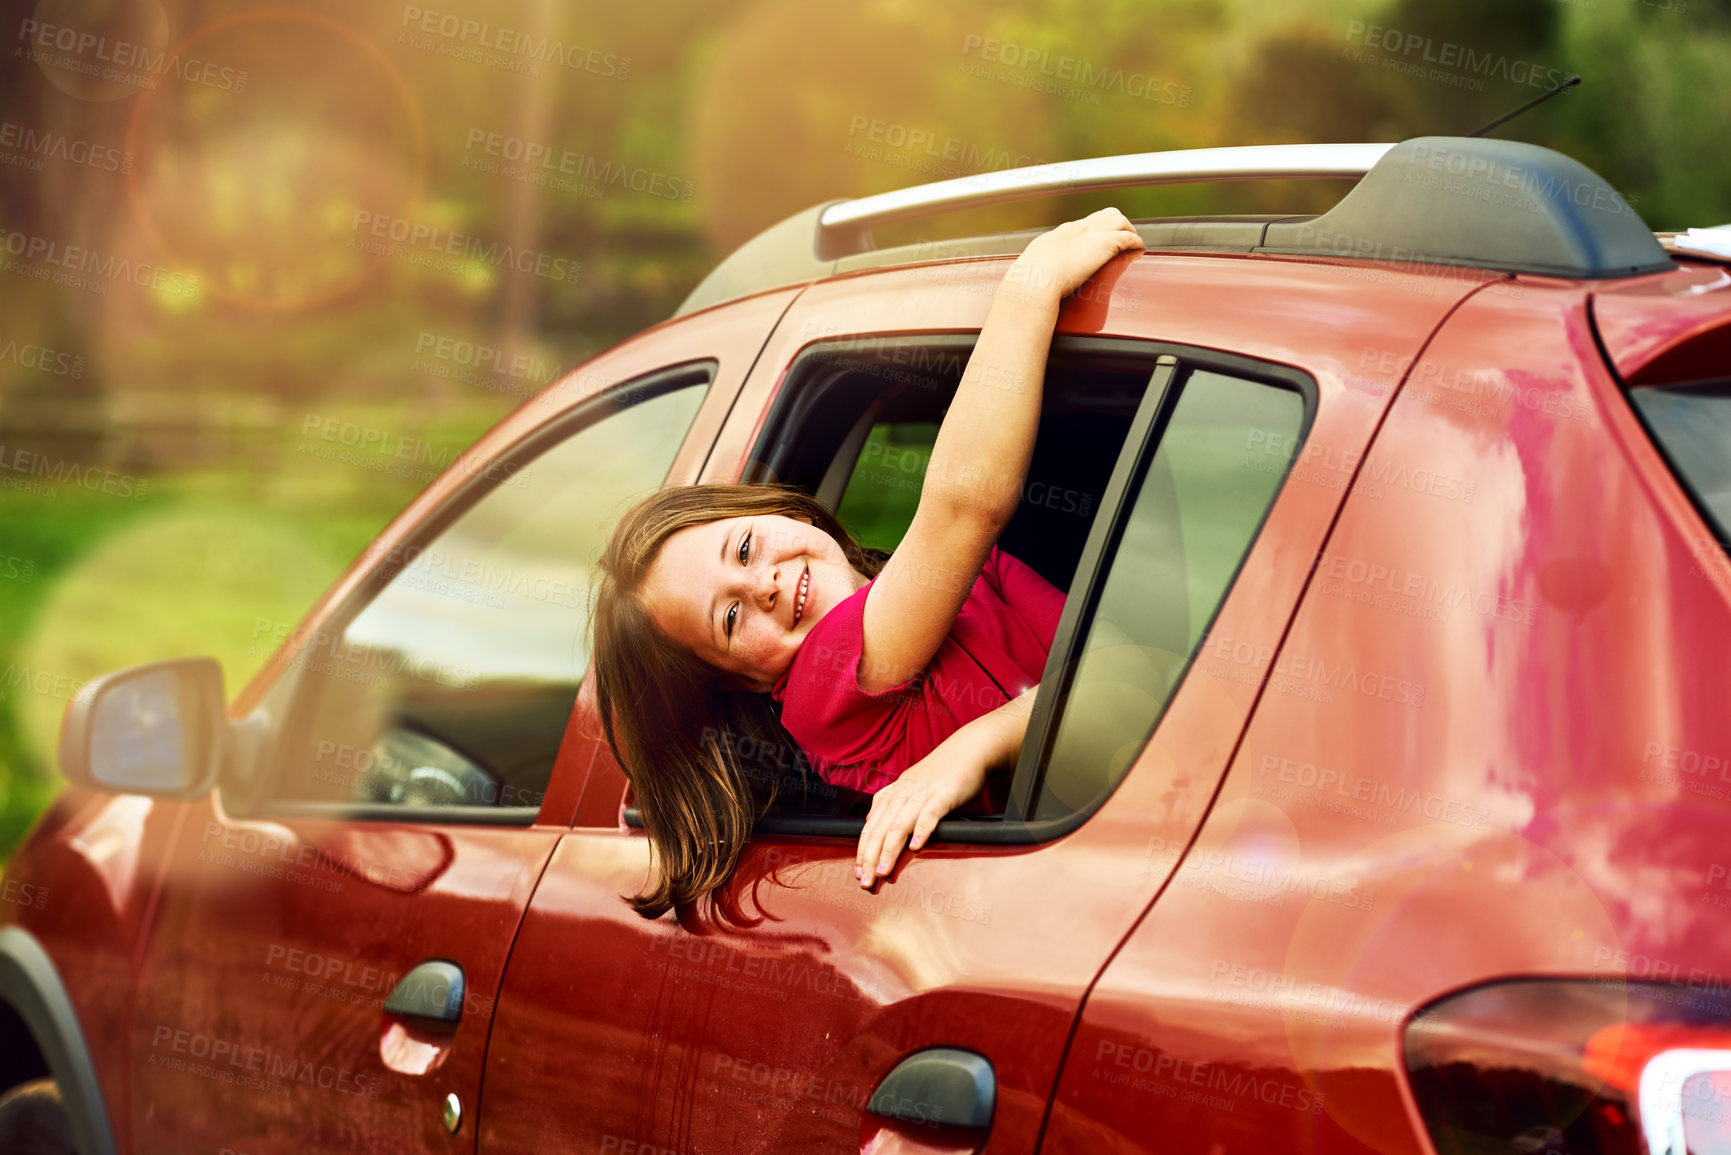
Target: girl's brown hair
x,y
674,723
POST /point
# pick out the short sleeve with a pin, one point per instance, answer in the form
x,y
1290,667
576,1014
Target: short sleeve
x,y
854,738
996,648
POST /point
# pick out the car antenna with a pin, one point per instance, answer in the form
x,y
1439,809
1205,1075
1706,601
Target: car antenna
x,y
1533,103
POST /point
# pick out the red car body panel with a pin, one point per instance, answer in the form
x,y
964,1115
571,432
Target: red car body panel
x,y
95,860
1523,667
259,1021
615,1030
1672,327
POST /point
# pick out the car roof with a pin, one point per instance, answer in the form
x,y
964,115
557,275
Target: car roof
x,y
1464,201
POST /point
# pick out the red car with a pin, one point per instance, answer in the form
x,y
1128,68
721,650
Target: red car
x,y
1378,797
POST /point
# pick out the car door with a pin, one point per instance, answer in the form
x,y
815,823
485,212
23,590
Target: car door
x,y
774,1019
334,921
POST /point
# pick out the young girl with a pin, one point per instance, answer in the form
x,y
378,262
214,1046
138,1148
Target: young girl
x,y
908,677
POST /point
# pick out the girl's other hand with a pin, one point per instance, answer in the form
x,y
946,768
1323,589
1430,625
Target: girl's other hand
x,y
1060,260
910,807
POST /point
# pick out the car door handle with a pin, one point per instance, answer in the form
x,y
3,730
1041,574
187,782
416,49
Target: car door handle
x,y
939,1085
431,995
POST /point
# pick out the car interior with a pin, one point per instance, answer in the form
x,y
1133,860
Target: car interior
x,y
855,423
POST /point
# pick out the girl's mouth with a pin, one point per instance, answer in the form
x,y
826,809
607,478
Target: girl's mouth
x,y
804,592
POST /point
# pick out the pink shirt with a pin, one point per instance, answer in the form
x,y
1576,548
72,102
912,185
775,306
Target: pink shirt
x,y
996,649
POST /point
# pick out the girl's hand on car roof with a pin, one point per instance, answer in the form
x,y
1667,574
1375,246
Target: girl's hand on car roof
x,y
1060,260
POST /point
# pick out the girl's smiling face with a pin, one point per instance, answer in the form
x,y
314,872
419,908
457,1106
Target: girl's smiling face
x,y
742,593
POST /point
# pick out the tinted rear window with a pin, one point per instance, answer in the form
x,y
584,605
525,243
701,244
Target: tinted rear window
x,y
1693,428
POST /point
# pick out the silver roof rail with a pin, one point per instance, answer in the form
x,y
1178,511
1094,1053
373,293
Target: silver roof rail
x,y
1138,170
1471,201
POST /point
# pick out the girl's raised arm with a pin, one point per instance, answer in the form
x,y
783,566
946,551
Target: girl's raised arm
x,y
980,459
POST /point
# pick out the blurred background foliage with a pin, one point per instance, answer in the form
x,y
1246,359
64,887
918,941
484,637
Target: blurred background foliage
x,y
165,487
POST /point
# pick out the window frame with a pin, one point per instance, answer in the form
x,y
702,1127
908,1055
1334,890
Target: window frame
x,y
250,795
1172,365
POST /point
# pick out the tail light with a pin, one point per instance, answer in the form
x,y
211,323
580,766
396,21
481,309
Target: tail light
x,y
1545,1067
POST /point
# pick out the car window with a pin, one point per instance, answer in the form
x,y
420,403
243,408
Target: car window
x,y
1693,427
884,489
453,686
1195,511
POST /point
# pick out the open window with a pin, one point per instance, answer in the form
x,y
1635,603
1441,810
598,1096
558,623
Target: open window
x,y
1148,485
1150,481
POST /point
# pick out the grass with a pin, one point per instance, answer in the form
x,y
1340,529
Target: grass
x,y
206,562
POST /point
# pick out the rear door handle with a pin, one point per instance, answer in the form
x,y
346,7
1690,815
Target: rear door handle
x,y
431,995
943,1085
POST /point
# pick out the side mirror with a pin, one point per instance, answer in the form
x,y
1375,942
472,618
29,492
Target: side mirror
x,y
156,729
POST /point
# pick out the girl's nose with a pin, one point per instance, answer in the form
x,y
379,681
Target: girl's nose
x,y
765,586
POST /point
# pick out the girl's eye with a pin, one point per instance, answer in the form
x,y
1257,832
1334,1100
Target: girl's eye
x,y
745,549
732,616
